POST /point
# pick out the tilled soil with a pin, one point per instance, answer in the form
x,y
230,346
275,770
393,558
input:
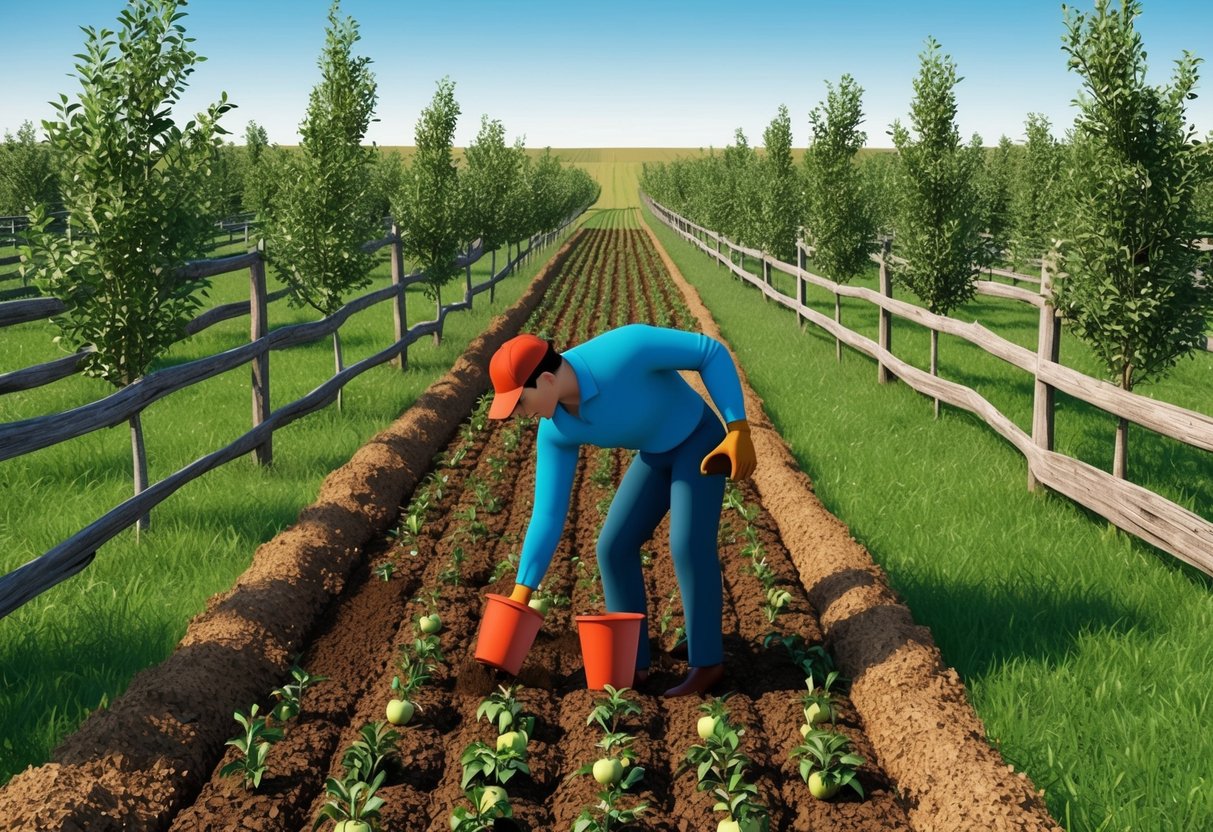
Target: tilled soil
x,y
606,278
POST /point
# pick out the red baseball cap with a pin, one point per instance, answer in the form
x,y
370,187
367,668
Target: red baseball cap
x,y
509,369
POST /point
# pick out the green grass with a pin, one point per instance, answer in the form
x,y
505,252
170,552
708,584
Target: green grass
x,y
76,646
1085,652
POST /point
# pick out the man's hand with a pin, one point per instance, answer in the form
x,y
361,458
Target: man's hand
x,y
521,594
734,456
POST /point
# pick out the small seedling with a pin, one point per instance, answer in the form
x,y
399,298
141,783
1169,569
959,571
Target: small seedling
x,y
827,763
254,745
384,571
488,803
818,702
370,754
290,695
351,802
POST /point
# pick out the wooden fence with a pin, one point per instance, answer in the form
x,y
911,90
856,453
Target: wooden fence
x,y
1135,509
23,437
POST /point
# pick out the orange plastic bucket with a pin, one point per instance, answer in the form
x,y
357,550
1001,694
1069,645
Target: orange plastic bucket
x,y
507,631
608,648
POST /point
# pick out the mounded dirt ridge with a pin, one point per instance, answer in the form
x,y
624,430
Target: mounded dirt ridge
x,y
150,761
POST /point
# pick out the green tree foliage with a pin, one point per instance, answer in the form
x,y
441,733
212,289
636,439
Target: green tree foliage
x,y
1035,193
994,183
227,180
840,224
27,177
938,228
1125,282
428,208
878,174
780,190
387,177
320,217
260,171
134,183
740,214
491,173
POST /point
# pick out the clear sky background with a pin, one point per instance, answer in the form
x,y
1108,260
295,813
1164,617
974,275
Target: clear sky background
x,y
621,74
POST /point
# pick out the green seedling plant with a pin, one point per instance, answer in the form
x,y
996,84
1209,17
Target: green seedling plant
x,y
720,767
500,764
501,709
608,814
504,566
777,599
384,571
763,572
452,575
827,763
290,695
485,499
608,712
254,745
818,702
488,803
370,754
418,661
813,661
353,805
497,466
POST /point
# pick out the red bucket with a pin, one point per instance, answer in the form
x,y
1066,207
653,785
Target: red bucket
x,y
608,648
507,631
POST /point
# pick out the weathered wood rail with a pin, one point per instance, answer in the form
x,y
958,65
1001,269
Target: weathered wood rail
x,y
1131,507
17,438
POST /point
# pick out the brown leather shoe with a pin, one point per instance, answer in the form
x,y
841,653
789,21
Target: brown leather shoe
x,y
699,680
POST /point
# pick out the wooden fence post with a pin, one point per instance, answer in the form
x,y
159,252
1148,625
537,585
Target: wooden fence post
x,y
883,373
801,287
766,275
468,294
493,275
1048,348
398,308
139,454
838,320
719,256
261,364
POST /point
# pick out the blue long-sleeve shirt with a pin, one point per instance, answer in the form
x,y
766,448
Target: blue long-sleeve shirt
x,y
631,397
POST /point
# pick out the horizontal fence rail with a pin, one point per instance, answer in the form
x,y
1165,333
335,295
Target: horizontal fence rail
x,y
1137,510
17,438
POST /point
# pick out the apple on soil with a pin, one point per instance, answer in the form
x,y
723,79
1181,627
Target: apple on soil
x,y
400,711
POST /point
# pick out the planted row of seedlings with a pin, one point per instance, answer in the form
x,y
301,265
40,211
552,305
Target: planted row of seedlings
x,y
459,537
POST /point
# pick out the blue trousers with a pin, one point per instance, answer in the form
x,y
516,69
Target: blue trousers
x,y
654,484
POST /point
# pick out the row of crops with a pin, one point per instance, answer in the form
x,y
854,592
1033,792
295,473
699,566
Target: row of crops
x,y
408,732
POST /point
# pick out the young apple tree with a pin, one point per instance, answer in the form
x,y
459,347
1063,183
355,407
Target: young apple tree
x,y
134,184
1126,282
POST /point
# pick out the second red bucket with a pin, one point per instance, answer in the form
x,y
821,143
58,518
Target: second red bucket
x,y
507,631
608,647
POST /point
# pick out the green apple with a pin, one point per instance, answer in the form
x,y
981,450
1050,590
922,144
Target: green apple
x,y
430,624
352,826
515,740
607,771
706,726
819,789
540,605
491,796
728,825
400,711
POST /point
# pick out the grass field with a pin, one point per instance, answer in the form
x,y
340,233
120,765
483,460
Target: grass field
x,y
1085,652
76,647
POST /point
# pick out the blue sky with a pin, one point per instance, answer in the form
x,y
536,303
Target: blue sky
x,y
618,74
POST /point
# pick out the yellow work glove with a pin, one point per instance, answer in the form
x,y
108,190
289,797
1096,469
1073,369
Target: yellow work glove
x,y
521,594
734,456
